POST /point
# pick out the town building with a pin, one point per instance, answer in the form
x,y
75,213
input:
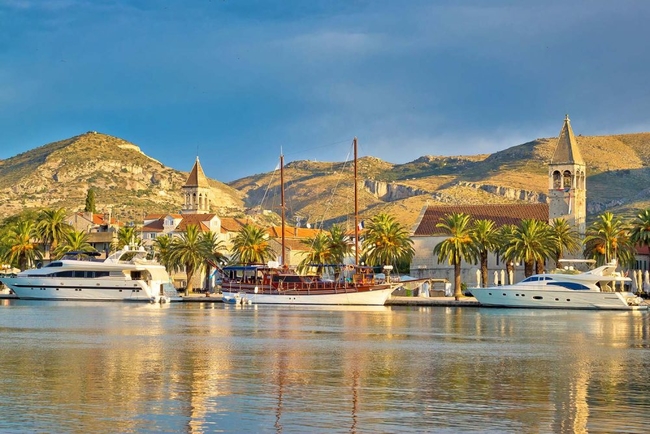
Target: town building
x,y
566,199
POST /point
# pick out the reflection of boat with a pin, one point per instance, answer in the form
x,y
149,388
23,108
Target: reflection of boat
x,y
600,288
279,285
125,275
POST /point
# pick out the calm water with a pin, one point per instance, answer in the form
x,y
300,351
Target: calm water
x,y
111,367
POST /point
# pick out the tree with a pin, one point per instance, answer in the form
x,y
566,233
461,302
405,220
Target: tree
x,y
127,236
162,252
73,241
485,238
505,234
90,201
386,241
608,239
251,246
566,238
213,250
532,243
457,247
319,252
22,250
51,228
640,233
339,244
189,251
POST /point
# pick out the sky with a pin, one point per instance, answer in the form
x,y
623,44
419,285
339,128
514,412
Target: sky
x,y
237,82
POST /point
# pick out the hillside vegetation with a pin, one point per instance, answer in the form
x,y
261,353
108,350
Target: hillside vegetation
x,y
320,193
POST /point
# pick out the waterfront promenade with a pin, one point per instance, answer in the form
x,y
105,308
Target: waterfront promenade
x,y
393,301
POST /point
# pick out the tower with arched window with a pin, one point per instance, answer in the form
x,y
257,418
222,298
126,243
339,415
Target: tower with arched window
x,y
196,192
567,191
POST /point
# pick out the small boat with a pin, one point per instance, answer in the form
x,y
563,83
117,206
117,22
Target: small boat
x,y
125,275
566,288
238,298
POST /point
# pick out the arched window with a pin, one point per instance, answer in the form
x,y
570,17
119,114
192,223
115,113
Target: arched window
x,y
557,180
567,179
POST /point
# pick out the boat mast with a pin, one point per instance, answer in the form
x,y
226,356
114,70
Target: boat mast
x,y
356,207
282,203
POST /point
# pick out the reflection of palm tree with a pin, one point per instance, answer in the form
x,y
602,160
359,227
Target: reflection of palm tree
x,y
51,228
386,241
457,247
251,246
73,241
485,239
608,238
532,243
22,250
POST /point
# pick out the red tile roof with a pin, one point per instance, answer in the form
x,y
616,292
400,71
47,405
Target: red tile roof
x,y
276,232
229,224
501,215
195,219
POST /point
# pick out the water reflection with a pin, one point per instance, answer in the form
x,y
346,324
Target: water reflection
x,y
206,367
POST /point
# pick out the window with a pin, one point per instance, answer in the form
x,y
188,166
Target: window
x,y
570,285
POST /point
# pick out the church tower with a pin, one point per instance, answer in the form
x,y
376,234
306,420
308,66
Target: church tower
x,y
196,192
567,190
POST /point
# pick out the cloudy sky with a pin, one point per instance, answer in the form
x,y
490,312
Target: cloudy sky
x,y
237,81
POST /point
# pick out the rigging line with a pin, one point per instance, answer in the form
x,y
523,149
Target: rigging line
x,y
330,201
268,188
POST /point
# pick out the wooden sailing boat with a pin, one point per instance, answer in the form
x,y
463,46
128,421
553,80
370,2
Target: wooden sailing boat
x,y
264,284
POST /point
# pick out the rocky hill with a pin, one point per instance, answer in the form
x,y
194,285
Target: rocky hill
x,y
618,169
125,179
131,183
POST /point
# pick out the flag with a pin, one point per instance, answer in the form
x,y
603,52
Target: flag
x,y
361,225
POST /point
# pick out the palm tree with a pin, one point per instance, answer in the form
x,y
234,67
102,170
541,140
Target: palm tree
x,y
51,228
532,243
505,234
608,238
251,246
162,251
339,244
458,247
73,241
640,233
386,241
22,248
566,238
319,253
189,251
485,238
214,256
127,236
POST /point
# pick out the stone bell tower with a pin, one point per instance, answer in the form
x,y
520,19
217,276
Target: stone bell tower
x,y
567,190
196,192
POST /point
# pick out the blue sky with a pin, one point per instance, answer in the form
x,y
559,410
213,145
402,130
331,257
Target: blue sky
x,y
236,81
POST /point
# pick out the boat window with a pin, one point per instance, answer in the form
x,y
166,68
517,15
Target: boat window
x,y
530,279
64,274
538,297
570,285
101,273
54,264
79,274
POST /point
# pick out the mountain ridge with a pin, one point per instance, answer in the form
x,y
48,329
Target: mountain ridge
x,y
319,193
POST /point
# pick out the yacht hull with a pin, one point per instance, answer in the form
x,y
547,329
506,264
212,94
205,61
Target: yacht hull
x,y
523,297
29,288
374,297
